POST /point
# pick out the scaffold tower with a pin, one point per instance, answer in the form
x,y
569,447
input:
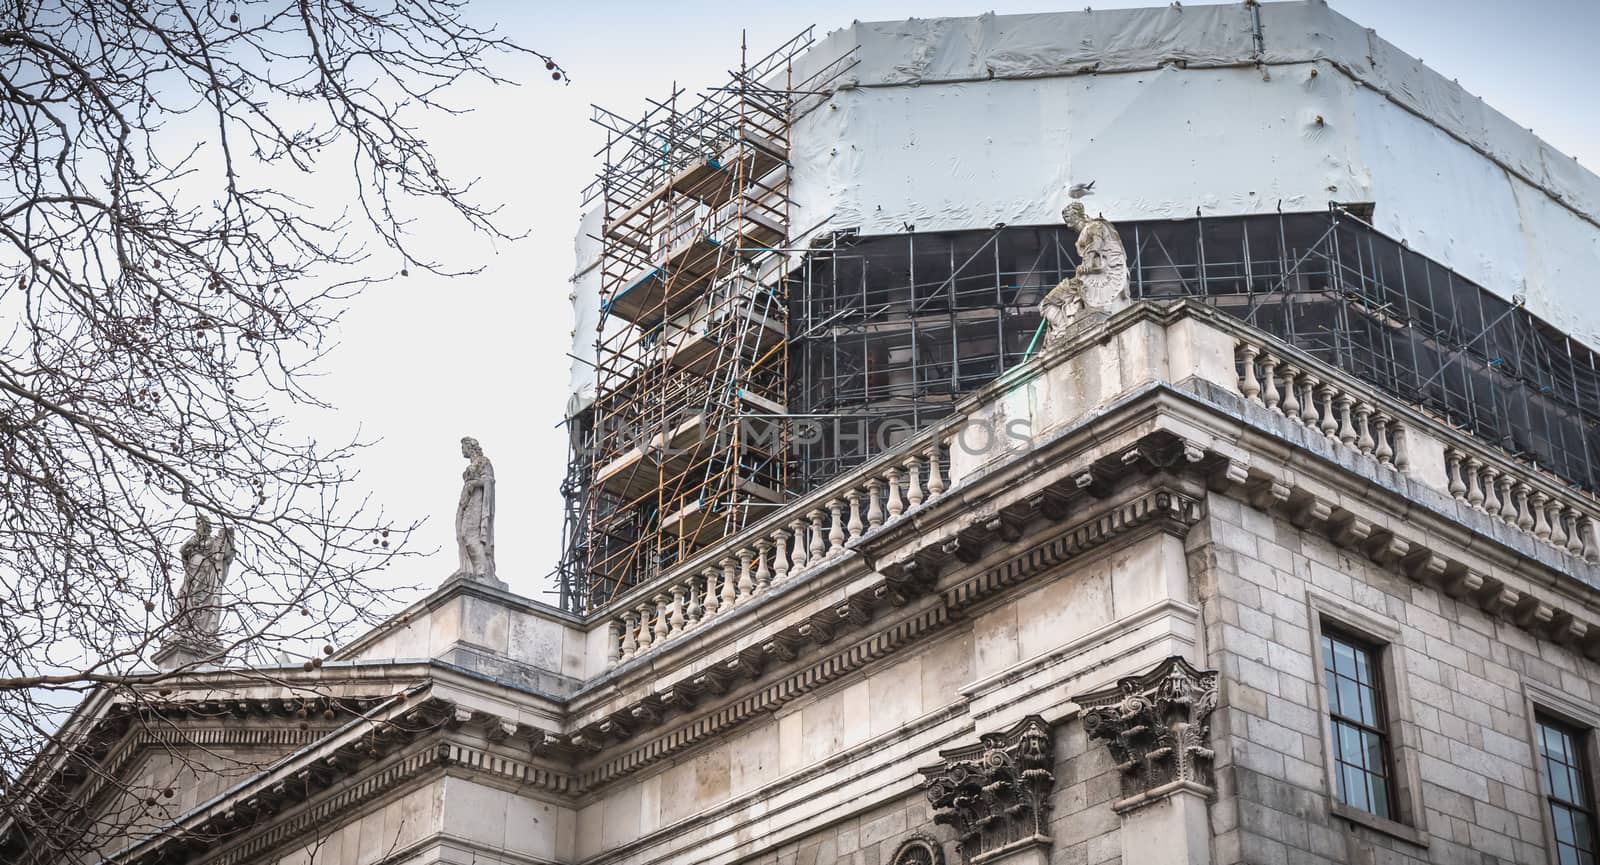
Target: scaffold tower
x,y
685,441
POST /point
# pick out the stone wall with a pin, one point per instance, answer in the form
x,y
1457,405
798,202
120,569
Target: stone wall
x,y
833,776
1084,829
489,631
1463,685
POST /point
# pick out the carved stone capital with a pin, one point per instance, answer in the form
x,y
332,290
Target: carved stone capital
x,y
996,794
1158,727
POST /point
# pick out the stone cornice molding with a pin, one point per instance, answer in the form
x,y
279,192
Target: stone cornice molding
x,y
1431,541
1074,469
1158,509
996,794
361,763
665,649
1157,726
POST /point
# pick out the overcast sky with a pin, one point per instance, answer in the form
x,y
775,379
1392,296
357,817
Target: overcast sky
x,y
425,361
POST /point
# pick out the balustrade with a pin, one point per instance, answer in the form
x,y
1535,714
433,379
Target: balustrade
x,y
1563,520
878,495
1347,415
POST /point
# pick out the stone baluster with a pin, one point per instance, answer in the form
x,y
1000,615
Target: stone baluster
x,y
646,636
713,598
1329,424
730,587
1524,513
874,504
1558,525
801,557
1344,405
1383,450
763,575
936,484
780,555
677,612
1269,382
855,526
630,635
697,610
1491,491
1247,383
1590,529
1508,504
747,583
1308,402
897,505
1541,515
818,545
1574,531
663,624
1291,394
913,482
1364,442
1474,487
1402,449
1452,461
835,527
618,648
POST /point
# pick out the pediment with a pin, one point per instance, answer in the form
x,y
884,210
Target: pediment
x,y
145,760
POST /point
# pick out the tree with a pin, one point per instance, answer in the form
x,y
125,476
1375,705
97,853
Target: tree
x,y
166,287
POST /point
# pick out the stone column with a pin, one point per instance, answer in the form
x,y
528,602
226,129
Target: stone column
x,y
996,795
1158,727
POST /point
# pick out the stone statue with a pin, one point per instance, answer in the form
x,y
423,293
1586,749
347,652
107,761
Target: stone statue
x,y
206,559
475,514
1100,283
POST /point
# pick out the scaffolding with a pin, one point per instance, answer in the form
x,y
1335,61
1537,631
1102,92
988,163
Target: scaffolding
x,y
735,371
684,442
887,331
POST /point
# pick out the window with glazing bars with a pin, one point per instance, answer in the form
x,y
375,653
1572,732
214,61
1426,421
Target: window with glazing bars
x,y
1566,782
1361,762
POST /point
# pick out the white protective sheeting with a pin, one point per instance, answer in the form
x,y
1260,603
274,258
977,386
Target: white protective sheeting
x,y
585,297
962,123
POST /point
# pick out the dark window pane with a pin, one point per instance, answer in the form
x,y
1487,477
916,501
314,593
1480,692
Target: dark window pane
x,y
1369,705
1349,703
1360,744
1355,788
1378,791
1566,785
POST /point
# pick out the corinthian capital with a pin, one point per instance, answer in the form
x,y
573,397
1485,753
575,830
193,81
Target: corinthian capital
x,y
996,794
1158,728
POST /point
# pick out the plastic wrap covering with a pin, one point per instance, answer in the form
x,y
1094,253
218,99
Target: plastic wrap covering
x,y
962,123
585,297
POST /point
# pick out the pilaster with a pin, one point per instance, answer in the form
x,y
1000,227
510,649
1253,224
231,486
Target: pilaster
x,y
1158,728
996,795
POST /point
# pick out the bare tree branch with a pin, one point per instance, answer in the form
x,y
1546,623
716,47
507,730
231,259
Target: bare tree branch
x,y
165,290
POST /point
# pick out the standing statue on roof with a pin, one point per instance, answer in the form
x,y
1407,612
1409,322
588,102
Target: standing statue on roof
x,y
196,625
475,515
1100,283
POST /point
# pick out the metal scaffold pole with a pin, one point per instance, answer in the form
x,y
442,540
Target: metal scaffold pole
x,y
691,336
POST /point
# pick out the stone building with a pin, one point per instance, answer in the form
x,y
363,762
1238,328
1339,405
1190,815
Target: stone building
x,y
1262,563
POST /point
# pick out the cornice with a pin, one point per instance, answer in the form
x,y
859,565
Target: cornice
x,y
1397,523
1141,463
355,766
914,578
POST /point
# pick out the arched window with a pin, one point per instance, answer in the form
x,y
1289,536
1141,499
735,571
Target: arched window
x,y
918,850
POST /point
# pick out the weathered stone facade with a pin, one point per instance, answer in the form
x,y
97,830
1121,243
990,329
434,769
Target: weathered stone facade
x,y
1094,640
